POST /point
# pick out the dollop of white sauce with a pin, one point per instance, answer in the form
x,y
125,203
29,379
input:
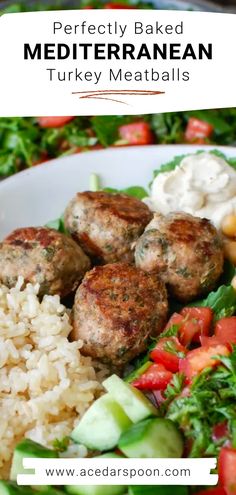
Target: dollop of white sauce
x,y
203,185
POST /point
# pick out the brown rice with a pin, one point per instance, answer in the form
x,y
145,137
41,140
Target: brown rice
x,y
45,382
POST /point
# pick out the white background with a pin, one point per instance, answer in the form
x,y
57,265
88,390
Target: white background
x,y
199,471
25,89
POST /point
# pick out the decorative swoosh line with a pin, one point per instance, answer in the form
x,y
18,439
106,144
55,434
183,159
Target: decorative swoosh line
x,y
107,94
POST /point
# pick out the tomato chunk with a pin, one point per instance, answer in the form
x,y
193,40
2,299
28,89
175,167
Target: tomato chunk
x,y
209,341
136,134
218,490
198,129
168,352
225,330
175,319
227,469
192,322
202,317
111,5
201,358
220,431
54,121
156,377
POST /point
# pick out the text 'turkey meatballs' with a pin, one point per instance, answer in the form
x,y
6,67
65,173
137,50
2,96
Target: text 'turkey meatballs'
x,y
117,309
185,250
106,225
44,256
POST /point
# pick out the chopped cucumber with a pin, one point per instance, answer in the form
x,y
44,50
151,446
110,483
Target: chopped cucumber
x,y
102,425
158,490
152,438
135,404
95,489
27,448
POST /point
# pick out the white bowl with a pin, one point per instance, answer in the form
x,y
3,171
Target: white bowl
x,y
40,194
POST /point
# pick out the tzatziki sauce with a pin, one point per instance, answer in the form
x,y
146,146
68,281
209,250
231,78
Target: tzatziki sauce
x,y
203,185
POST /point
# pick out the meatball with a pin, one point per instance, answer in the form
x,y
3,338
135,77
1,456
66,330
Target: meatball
x,y
185,250
117,309
43,256
106,225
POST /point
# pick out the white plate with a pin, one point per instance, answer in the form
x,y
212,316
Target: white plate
x,y
40,194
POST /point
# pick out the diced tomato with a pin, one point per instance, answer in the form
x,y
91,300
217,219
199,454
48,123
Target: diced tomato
x,y
218,490
193,322
220,431
201,358
198,130
111,5
209,341
187,328
227,469
168,352
175,319
188,331
54,121
156,377
136,134
202,317
225,330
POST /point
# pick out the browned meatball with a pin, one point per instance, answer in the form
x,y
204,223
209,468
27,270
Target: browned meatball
x,y
106,225
117,308
187,251
43,256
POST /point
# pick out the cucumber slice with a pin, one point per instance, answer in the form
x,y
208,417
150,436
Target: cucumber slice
x,y
28,448
102,425
95,489
152,438
135,404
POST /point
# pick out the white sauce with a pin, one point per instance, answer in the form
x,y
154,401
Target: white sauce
x,y
203,185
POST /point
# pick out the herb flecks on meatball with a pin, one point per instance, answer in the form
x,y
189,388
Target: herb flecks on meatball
x,y
117,309
44,256
106,225
185,250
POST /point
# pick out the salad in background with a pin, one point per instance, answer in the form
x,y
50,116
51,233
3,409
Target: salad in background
x,y
25,142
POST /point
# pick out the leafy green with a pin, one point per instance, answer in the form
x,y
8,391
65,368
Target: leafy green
x,y
106,127
139,370
61,445
222,302
211,400
63,5
172,331
24,143
135,191
157,490
168,127
57,224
